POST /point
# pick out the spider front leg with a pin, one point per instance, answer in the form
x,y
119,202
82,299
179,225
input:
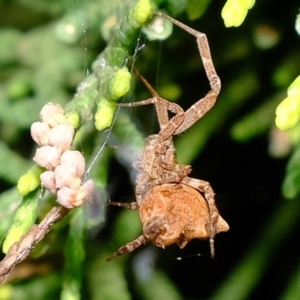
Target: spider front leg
x,y
131,205
129,247
200,108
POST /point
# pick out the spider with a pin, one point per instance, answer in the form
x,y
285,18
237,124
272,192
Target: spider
x,y
171,205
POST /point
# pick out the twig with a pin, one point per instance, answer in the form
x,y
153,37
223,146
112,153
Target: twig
x,y
20,250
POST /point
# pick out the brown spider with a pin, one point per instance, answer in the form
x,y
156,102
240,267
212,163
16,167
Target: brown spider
x,y
170,205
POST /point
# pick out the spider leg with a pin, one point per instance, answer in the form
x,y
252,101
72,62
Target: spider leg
x,y
162,104
169,177
129,247
171,106
132,205
162,112
196,112
200,108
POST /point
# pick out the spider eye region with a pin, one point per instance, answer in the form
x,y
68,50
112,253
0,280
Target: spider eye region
x,y
154,229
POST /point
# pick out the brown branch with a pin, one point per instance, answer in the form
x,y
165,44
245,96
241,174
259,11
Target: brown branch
x,y
20,250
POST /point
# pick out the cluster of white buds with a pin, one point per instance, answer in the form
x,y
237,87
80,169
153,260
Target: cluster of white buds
x,y
64,167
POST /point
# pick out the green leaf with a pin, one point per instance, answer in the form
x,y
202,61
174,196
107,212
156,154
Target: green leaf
x,y
196,8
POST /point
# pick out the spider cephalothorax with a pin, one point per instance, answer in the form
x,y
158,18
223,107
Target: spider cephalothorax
x,y
158,165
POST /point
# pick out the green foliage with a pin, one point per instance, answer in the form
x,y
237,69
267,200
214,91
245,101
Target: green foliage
x,y
40,287
111,80
257,122
10,200
291,183
159,286
195,8
173,7
24,218
43,58
112,282
10,161
75,255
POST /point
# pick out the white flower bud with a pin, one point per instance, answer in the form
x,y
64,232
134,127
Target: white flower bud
x,y
75,159
48,181
40,132
66,175
71,198
47,157
61,136
52,114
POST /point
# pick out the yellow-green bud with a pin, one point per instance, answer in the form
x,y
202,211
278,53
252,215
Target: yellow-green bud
x,y
288,113
30,180
13,236
247,3
6,291
104,114
120,83
294,88
73,118
234,11
141,12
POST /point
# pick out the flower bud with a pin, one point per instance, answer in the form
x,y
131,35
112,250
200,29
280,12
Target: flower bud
x,y
75,159
61,136
40,132
65,175
52,114
294,88
233,13
48,181
70,198
104,114
120,83
141,12
73,118
47,157
287,113
29,181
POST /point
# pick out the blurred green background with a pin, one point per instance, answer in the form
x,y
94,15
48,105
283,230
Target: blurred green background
x,y
47,49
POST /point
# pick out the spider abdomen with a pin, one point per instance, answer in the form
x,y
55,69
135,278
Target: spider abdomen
x,y
176,213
